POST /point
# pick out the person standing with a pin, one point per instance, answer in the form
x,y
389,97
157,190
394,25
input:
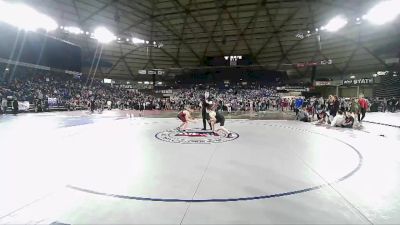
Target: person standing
x,y
298,105
4,105
384,105
363,108
204,114
15,106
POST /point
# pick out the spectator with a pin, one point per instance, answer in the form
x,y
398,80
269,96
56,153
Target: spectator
x,y
349,121
363,107
338,120
3,107
15,106
303,115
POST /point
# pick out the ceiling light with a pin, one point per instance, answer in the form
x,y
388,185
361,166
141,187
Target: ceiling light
x,y
336,24
138,41
308,32
383,12
352,77
73,30
316,29
127,39
87,32
103,35
25,17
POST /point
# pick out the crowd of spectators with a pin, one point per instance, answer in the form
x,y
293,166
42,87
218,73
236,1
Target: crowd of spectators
x,y
340,112
44,90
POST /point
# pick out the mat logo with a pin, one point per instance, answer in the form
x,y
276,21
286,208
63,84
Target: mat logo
x,y
194,136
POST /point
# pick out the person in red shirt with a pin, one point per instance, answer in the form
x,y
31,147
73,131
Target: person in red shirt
x,y
363,107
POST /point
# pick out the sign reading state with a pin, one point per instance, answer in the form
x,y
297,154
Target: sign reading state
x,y
358,81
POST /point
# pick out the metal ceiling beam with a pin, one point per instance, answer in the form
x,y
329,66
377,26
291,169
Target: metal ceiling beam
x,y
204,29
289,18
242,32
98,11
280,43
125,63
212,8
183,28
210,36
122,57
170,29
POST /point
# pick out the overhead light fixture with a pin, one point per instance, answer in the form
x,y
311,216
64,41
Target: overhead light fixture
x,y
73,30
103,35
7,69
87,32
375,75
127,40
336,24
146,82
25,17
316,29
352,77
140,82
138,41
308,32
383,12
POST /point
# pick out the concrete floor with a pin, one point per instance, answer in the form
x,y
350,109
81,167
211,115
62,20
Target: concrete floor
x,y
111,168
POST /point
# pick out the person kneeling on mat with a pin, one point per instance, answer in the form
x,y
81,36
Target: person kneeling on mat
x,y
217,117
185,117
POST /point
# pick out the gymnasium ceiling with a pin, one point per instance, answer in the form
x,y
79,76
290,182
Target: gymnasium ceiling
x,y
191,30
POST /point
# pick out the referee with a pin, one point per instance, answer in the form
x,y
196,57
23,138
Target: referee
x,y
204,114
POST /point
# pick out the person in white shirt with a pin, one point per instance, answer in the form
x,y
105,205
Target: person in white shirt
x,y
109,104
3,105
338,120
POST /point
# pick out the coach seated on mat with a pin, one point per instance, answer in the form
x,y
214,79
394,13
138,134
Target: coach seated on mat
x,y
338,120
